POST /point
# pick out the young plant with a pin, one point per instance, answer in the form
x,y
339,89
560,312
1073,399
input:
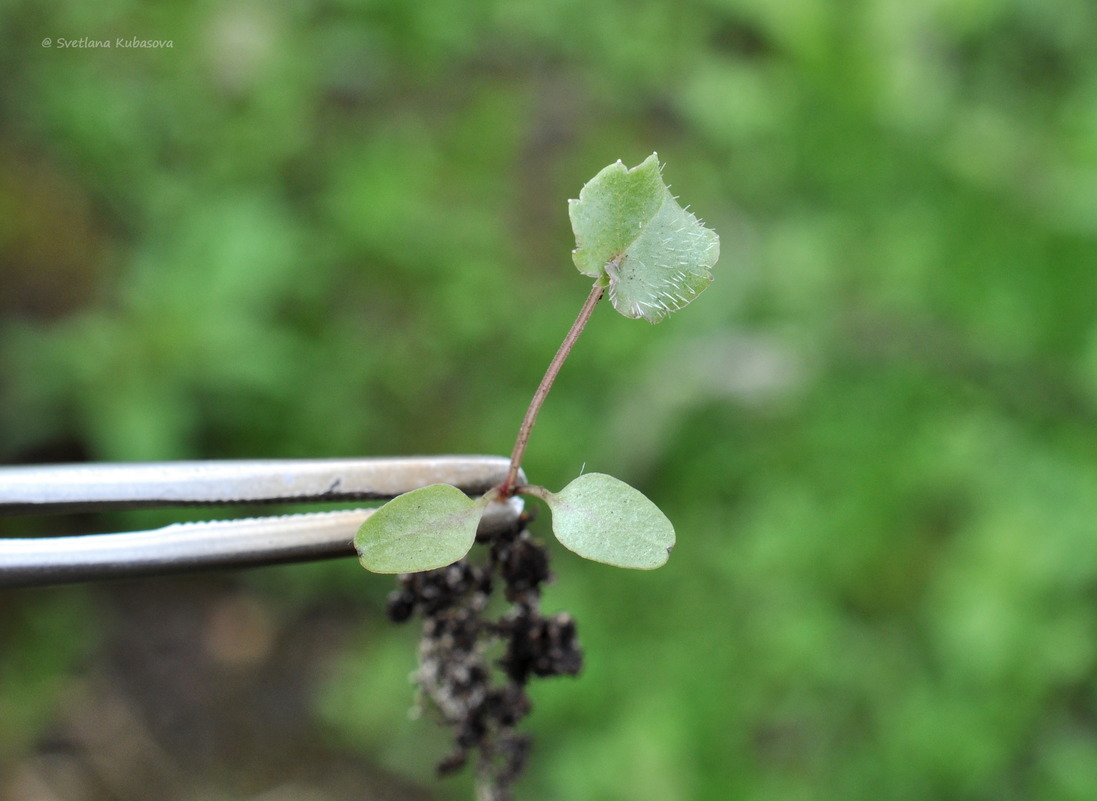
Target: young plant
x,y
651,257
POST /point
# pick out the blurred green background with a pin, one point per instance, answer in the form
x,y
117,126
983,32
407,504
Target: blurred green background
x,y
340,228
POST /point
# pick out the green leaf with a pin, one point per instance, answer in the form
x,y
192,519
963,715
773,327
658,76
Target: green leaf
x,y
420,530
602,518
631,234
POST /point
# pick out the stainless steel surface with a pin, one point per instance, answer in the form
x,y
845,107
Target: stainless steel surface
x,y
95,487
184,547
229,543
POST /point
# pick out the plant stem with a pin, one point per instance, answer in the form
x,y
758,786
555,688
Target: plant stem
x,y
506,489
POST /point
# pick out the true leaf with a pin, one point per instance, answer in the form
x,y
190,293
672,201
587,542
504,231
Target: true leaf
x,y
602,518
420,530
631,234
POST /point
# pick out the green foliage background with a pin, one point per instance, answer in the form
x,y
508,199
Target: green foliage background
x,y
338,228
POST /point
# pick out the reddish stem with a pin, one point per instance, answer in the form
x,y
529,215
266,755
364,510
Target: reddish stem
x,y
506,489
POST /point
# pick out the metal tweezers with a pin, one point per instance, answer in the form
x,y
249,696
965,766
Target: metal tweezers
x,y
180,547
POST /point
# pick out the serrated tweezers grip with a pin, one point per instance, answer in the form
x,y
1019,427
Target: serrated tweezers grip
x,y
231,543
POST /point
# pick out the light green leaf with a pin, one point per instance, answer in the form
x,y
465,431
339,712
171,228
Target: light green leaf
x,y
420,530
602,518
631,234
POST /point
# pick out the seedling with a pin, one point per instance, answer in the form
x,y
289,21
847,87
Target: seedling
x,y
651,257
